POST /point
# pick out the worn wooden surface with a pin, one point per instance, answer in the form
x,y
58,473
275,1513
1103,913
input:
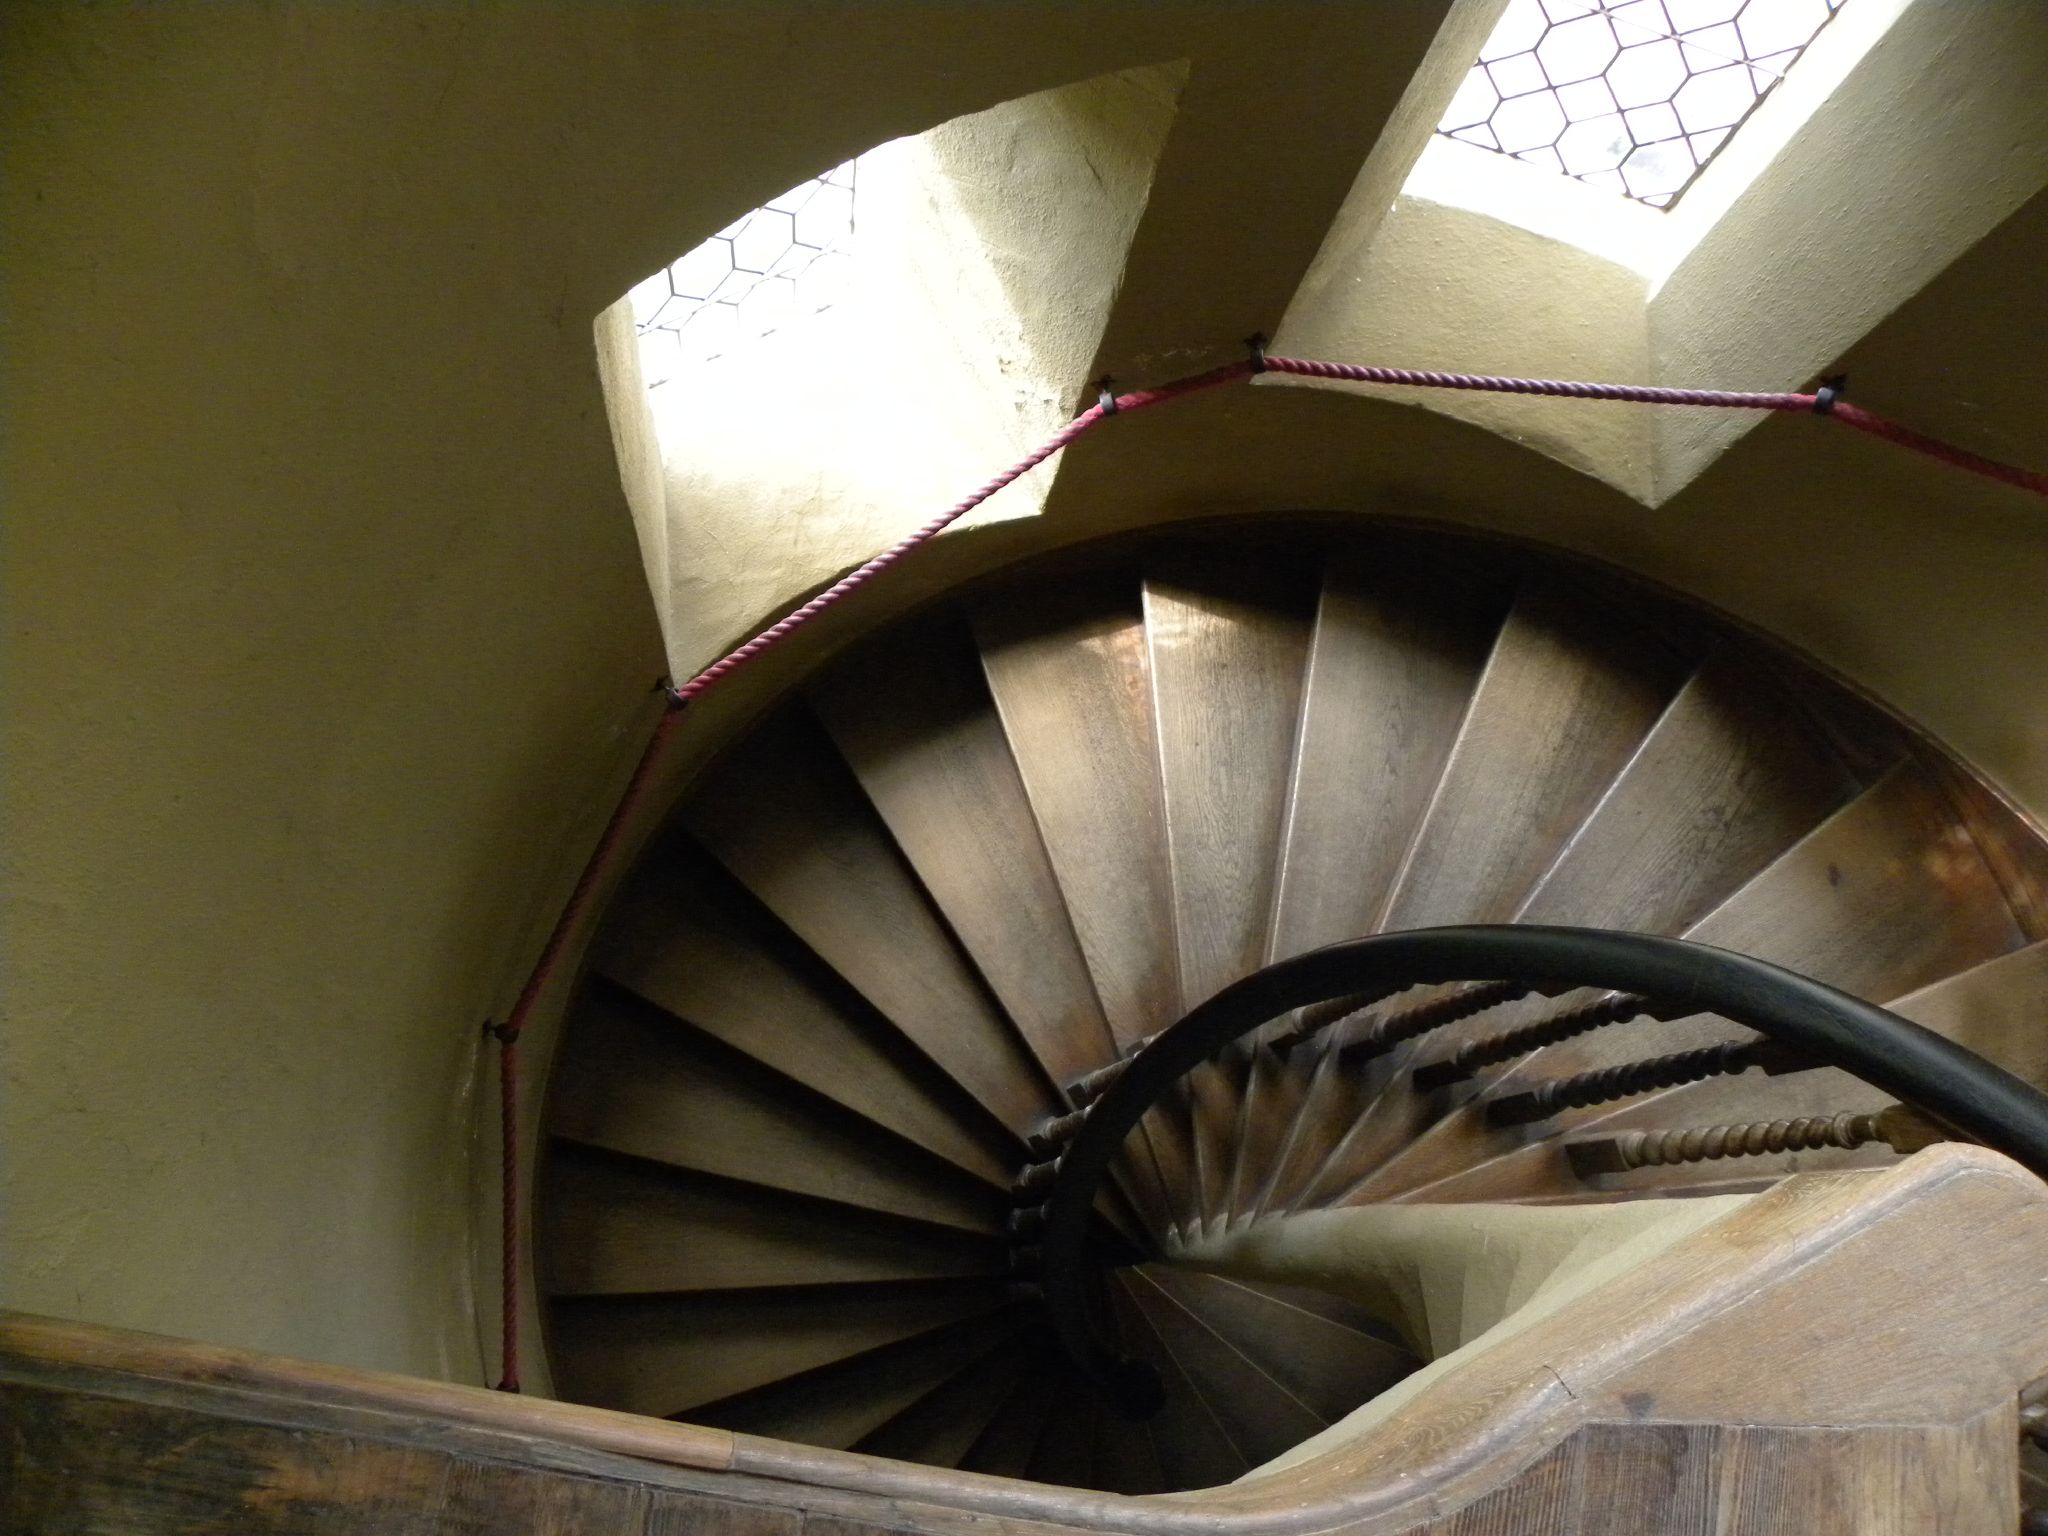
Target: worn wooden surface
x,y
1636,1407
827,867
930,752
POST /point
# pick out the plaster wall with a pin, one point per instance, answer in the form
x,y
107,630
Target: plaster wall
x,y
1443,287
988,252
329,642
1942,135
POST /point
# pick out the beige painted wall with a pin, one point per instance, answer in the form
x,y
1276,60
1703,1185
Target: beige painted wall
x,y
988,251
328,640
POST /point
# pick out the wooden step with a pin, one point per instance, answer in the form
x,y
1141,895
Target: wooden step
x,y
667,1355
684,934
615,1225
1327,1367
1126,1459
827,867
1885,897
940,1428
839,1404
1194,1450
635,1079
1394,659
930,752
1065,1453
1004,1448
1070,676
1567,695
1227,643
1262,1418
1729,777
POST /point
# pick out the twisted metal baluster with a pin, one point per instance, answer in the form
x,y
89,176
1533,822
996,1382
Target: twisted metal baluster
x,y
1615,1008
1901,1128
1633,1077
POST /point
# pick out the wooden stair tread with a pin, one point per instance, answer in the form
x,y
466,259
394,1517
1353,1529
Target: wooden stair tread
x,y
1391,669
677,940
1328,1368
1228,646
825,865
838,1404
667,1355
1070,679
1004,1448
1565,699
1728,778
618,1226
1194,1449
941,1427
931,755
635,1080
1883,898
1261,1417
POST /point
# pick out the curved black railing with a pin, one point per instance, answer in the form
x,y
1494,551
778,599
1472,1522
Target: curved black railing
x,y
1919,1067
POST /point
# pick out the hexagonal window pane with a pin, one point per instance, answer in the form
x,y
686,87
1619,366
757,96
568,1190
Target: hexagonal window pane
x,y
1711,47
1584,100
1637,21
1716,99
1474,102
1773,26
827,219
1520,28
1690,15
748,278
1596,145
1528,121
1598,81
1645,73
697,272
766,236
1577,50
714,330
648,295
661,353
1657,168
1516,74
1646,125
1704,144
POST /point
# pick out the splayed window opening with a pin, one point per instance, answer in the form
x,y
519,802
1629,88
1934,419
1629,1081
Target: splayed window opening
x,y
785,259
1636,96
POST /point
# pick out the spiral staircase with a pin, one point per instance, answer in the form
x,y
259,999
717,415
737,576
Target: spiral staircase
x,y
912,921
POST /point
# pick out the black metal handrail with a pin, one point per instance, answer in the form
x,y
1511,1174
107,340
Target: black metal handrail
x,y
1956,1086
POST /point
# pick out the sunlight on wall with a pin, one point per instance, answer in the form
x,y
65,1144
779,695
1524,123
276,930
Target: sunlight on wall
x,y
1499,170
832,370
1635,96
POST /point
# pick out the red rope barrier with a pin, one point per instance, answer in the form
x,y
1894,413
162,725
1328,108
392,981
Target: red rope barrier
x,y
508,1207
1947,453
585,889
1570,389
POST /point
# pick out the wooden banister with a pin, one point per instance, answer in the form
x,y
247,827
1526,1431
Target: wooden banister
x,y
1841,1354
